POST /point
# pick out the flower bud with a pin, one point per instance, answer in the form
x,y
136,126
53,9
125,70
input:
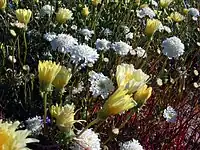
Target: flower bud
x,y
85,11
23,15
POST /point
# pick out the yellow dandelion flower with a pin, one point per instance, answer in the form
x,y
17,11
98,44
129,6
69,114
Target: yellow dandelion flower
x,y
63,15
10,139
118,102
47,73
62,78
152,26
165,3
85,11
142,95
177,17
23,15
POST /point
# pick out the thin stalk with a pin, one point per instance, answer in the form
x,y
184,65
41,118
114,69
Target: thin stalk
x,y
25,44
45,110
18,51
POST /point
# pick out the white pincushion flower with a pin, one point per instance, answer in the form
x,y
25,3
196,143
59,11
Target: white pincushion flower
x,y
194,13
173,47
63,43
141,53
50,36
100,85
87,33
47,10
87,140
121,48
170,114
84,53
131,145
102,44
34,124
146,11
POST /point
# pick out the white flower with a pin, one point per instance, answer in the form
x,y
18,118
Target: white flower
x,y
146,11
100,85
131,145
164,28
88,140
79,88
46,10
126,29
84,53
170,114
154,3
129,35
12,59
102,44
74,27
140,52
87,33
121,48
50,36
159,82
173,47
107,32
63,43
34,124
194,13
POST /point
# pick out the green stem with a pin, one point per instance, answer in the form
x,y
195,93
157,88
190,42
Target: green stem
x,y
25,44
89,125
18,52
45,110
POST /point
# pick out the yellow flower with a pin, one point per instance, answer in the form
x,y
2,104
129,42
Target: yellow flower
x,y
64,116
47,73
118,102
95,2
177,17
185,11
10,139
63,15
142,95
165,3
62,78
130,78
152,26
137,2
23,15
3,4
85,11
144,5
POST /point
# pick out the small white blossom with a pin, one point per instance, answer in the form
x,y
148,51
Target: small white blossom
x,y
159,82
173,47
170,114
87,140
194,13
146,11
126,29
74,27
79,88
63,43
34,124
50,36
140,52
100,85
131,145
105,59
107,32
164,28
121,48
129,35
154,3
87,33
46,10
83,53
102,44
195,84
196,73
12,59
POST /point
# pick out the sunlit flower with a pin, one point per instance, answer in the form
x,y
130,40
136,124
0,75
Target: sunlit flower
x,y
50,36
142,95
47,10
177,17
87,33
96,2
79,88
140,52
170,114
194,13
131,145
100,85
102,44
3,4
121,48
64,116
47,73
129,35
146,11
87,140
173,47
23,15
164,28
85,11
84,53
10,139
152,26
63,15
130,78
63,43
12,59
118,102
165,3
35,125
62,78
